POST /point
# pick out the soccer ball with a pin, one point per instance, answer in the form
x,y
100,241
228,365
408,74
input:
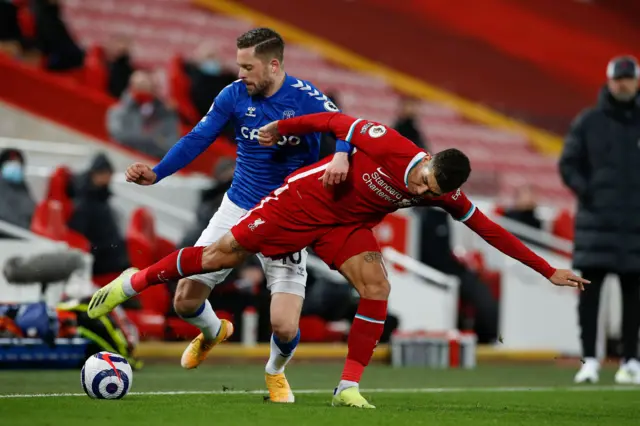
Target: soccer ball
x,y
106,376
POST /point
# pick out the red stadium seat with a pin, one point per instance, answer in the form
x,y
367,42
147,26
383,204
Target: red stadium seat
x,y
26,20
151,325
179,86
48,221
563,227
315,329
96,74
145,248
58,183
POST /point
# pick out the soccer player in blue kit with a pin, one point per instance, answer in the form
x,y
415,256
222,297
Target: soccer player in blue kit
x,y
263,93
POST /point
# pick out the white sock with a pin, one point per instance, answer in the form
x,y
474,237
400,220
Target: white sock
x,y
128,290
206,320
277,361
345,384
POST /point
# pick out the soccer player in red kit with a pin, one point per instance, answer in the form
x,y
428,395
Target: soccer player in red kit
x,y
387,172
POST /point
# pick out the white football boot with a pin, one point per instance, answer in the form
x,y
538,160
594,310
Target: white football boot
x,y
628,373
589,372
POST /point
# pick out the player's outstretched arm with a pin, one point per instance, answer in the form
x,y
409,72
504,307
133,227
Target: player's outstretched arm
x,y
190,146
323,122
508,244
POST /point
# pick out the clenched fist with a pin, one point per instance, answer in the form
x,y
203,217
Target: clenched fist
x,y
140,174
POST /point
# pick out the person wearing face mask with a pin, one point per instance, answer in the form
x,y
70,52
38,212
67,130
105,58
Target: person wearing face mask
x,y
17,204
600,163
142,121
94,218
207,76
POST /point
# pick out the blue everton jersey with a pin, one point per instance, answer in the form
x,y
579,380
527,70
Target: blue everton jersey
x,y
259,169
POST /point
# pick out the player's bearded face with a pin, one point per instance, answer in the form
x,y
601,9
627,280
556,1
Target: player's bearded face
x,y
262,83
254,72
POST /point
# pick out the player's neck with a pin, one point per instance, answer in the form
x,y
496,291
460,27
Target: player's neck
x,y
277,84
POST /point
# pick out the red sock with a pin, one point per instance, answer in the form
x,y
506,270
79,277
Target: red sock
x,y
179,264
365,332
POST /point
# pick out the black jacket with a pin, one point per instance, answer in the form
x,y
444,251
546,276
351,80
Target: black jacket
x,y
407,127
94,218
600,162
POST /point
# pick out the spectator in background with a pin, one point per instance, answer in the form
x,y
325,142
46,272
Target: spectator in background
x,y
524,210
53,39
10,34
94,218
436,251
208,77
600,163
210,200
16,204
117,52
407,122
142,121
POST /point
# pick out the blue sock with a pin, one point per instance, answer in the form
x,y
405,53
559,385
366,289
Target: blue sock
x,y
281,353
286,348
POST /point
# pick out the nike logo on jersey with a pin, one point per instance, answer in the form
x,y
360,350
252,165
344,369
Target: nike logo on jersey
x,y
383,173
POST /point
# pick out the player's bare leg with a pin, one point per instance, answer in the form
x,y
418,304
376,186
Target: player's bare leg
x,y
191,305
223,254
285,318
366,272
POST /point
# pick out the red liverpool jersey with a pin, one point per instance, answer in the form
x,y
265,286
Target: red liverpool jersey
x,y
377,180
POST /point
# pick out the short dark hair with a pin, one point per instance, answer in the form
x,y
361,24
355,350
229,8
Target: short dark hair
x,y
451,169
267,42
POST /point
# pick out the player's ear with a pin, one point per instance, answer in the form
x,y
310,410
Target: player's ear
x,y
275,64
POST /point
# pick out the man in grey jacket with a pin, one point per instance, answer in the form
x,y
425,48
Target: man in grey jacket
x,y
142,121
16,205
600,163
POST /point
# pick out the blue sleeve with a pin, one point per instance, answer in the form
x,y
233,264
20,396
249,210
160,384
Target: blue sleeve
x,y
321,103
191,145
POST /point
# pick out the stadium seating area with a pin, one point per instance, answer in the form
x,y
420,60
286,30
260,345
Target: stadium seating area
x,y
501,159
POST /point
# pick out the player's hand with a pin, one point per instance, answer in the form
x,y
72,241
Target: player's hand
x,y
140,174
337,170
565,277
268,135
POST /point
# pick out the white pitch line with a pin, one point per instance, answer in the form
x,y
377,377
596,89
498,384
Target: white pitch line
x,y
377,390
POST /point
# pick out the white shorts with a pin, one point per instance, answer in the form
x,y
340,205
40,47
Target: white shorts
x,y
288,275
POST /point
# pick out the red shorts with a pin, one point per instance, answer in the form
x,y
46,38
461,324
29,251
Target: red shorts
x,y
267,230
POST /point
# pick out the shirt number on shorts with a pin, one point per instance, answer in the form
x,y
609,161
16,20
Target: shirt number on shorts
x,y
295,258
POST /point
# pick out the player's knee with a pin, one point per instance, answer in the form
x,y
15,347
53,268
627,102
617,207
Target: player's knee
x,y
285,328
376,288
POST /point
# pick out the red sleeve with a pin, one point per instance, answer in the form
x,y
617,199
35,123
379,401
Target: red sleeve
x,y
384,145
324,122
507,243
462,209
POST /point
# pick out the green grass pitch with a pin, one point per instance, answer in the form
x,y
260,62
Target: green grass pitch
x,y
233,395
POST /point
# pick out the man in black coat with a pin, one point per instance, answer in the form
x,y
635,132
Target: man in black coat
x,y
600,163
94,218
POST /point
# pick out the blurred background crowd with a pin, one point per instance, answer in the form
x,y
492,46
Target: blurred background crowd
x,y
137,75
